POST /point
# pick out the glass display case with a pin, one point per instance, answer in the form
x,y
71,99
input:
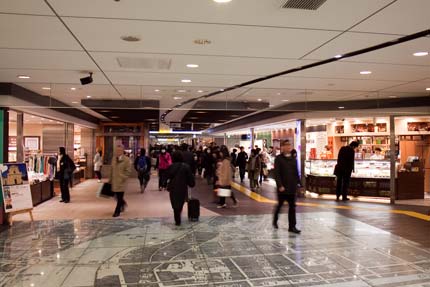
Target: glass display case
x,y
363,168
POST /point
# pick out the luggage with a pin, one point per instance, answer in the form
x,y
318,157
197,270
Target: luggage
x,y
193,209
105,191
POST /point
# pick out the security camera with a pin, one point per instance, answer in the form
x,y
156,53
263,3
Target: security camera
x,y
87,80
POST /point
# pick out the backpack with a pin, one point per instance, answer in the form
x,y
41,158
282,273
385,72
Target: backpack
x,y
141,164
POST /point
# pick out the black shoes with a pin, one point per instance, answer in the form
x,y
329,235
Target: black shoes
x,y
294,230
64,201
345,199
116,214
275,225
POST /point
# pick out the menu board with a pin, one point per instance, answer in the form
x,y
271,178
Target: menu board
x,y
15,187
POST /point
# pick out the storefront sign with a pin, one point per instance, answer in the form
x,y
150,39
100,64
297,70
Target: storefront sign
x,y
15,187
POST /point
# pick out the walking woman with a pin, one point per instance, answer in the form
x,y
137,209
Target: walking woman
x,y
164,161
179,178
254,167
224,176
98,163
121,169
65,169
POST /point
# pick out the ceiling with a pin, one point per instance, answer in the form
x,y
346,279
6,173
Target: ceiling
x,y
248,39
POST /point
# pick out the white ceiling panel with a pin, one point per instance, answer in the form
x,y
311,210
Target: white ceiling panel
x,y
35,32
171,38
403,17
334,14
207,64
44,59
34,7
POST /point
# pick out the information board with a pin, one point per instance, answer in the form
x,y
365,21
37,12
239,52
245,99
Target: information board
x,y
15,187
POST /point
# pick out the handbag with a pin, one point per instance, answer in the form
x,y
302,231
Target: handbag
x,y
224,191
105,191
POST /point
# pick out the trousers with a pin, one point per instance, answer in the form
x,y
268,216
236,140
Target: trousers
x,y
342,185
291,199
120,201
64,187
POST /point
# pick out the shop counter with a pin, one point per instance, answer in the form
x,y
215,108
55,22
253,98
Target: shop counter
x,y
410,185
41,191
371,177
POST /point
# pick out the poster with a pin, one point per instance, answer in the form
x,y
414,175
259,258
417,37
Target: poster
x,y
15,187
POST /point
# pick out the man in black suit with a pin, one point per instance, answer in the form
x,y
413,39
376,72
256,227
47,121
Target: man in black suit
x,y
344,168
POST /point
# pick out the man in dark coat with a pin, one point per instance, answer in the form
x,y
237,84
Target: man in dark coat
x,y
143,174
344,168
241,161
287,178
188,157
179,178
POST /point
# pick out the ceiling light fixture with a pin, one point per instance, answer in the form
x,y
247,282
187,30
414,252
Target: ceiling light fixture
x,y
181,91
130,38
421,54
428,89
366,72
392,97
222,1
46,88
200,91
186,81
74,102
338,56
341,108
73,89
177,98
259,100
23,77
285,100
192,66
157,90
88,97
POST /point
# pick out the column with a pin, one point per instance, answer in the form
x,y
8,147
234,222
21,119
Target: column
x,y
225,139
300,145
146,138
393,158
70,139
4,147
252,138
20,137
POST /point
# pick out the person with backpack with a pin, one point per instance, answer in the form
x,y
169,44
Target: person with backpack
x,y
179,177
233,157
142,164
164,161
65,169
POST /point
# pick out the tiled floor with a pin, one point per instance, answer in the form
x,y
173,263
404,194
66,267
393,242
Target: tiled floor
x,y
333,250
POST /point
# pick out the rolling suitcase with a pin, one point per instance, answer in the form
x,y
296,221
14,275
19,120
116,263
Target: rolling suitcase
x,y
193,208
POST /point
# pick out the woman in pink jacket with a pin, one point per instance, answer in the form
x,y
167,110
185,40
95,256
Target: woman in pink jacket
x,y
164,161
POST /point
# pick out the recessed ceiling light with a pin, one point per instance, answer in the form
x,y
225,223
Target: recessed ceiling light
x,y
366,72
32,117
428,89
157,90
130,38
421,54
393,97
341,108
177,98
186,81
192,65
74,102
73,89
285,100
338,56
222,1
278,94
88,97
200,91
201,112
23,77
114,117
46,88
259,100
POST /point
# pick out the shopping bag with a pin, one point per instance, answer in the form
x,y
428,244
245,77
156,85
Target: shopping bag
x,y
224,192
105,191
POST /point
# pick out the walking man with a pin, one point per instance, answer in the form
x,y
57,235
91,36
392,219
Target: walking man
x,y
344,168
142,165
241,160
287,178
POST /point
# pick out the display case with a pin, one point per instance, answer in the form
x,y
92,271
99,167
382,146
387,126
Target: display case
x,y
371,177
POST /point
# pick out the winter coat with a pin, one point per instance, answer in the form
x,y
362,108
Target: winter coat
x,y
67,167
164,161
121,170
98,162
345,161
224,173
257,167
179,178
241,159
287,173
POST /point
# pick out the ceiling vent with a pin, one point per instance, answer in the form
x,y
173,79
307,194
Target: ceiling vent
x,y
303,4
144,63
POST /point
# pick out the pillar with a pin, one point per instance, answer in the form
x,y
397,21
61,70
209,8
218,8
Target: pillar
x,y
20,137
146,138
300,145
252,138
393,158
4,147
70,139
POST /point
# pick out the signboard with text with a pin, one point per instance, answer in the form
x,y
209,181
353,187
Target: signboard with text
x,y
15,187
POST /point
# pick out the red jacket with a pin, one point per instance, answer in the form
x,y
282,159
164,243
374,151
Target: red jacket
x,y
164,161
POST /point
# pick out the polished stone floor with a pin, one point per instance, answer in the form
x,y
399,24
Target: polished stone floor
x,y
242,250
